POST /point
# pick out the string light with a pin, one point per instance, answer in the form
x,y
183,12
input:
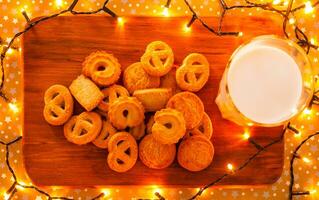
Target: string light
x,y
308,7
230,167
59,3
276,2
240,34
13,107
120,21
313,191
307,111
6,196
292,20
187,28
106,192
165,12
246,135
306,160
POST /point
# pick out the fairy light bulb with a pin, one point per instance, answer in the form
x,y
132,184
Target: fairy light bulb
x,y
292,21
313,191
308,7
307,111
6,196
165,12
240,34
246,135
59,3
230,167
10,51
120,21
187,28
298,135
312,41
13,107
106,192
306,160
276,2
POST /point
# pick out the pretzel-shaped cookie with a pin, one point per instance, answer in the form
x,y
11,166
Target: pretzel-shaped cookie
x,y
111,94
106,133
158,58
58,105
126,112
169,126
205,128
122,152
83,128
195,153
103,68
156,155
194,72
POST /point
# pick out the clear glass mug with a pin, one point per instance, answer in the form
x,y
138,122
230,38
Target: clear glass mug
x,y
236,108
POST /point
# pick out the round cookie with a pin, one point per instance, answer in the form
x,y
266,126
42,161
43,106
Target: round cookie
x,y
194,73
58,105
138,131
103,138
169,81
123,152
205,128
169,126
190,105
154,154
149,125
153,99
126,112
111,94
158,58
135,78
103,68
195,153
83,128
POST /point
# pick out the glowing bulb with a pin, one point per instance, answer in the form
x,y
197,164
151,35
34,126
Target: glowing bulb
x,y
312,41
246,135
308,7
187,28
313,191
276,2
59,3
298,135
307,111
19,187
230,167
165,12
157,190
10,51
306,160
292,20
240,34
13,107
120,21
6,196
106,192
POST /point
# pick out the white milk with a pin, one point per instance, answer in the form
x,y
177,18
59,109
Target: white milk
x,y
264,83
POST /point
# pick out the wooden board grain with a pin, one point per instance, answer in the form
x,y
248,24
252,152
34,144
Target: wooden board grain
x,y
53,53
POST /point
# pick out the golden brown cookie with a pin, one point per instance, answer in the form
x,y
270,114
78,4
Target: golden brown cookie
x,y
205,128
103,68
169,126
58,106
126,112
138,131
103,138
111,94
153,99
194,72
86,92
158,58
190,105
83,128
195,153
169,81
122,152
155,155
135,78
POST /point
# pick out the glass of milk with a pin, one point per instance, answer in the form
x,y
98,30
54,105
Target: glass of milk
x,y
267,81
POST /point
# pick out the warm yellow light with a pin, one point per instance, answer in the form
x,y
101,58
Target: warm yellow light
x,y
106,192
230,167
292,20
14,107
246,135
298,135
313,191
6,196
306,160
120,21
240,34
308,7
307,111
10,51
19,187
59,3
276,2
312,41
165,12
187,28
157,190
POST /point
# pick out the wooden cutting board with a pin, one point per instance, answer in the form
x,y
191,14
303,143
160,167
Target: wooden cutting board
x,y
53,52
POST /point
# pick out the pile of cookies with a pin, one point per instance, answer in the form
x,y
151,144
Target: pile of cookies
x,y
153,90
